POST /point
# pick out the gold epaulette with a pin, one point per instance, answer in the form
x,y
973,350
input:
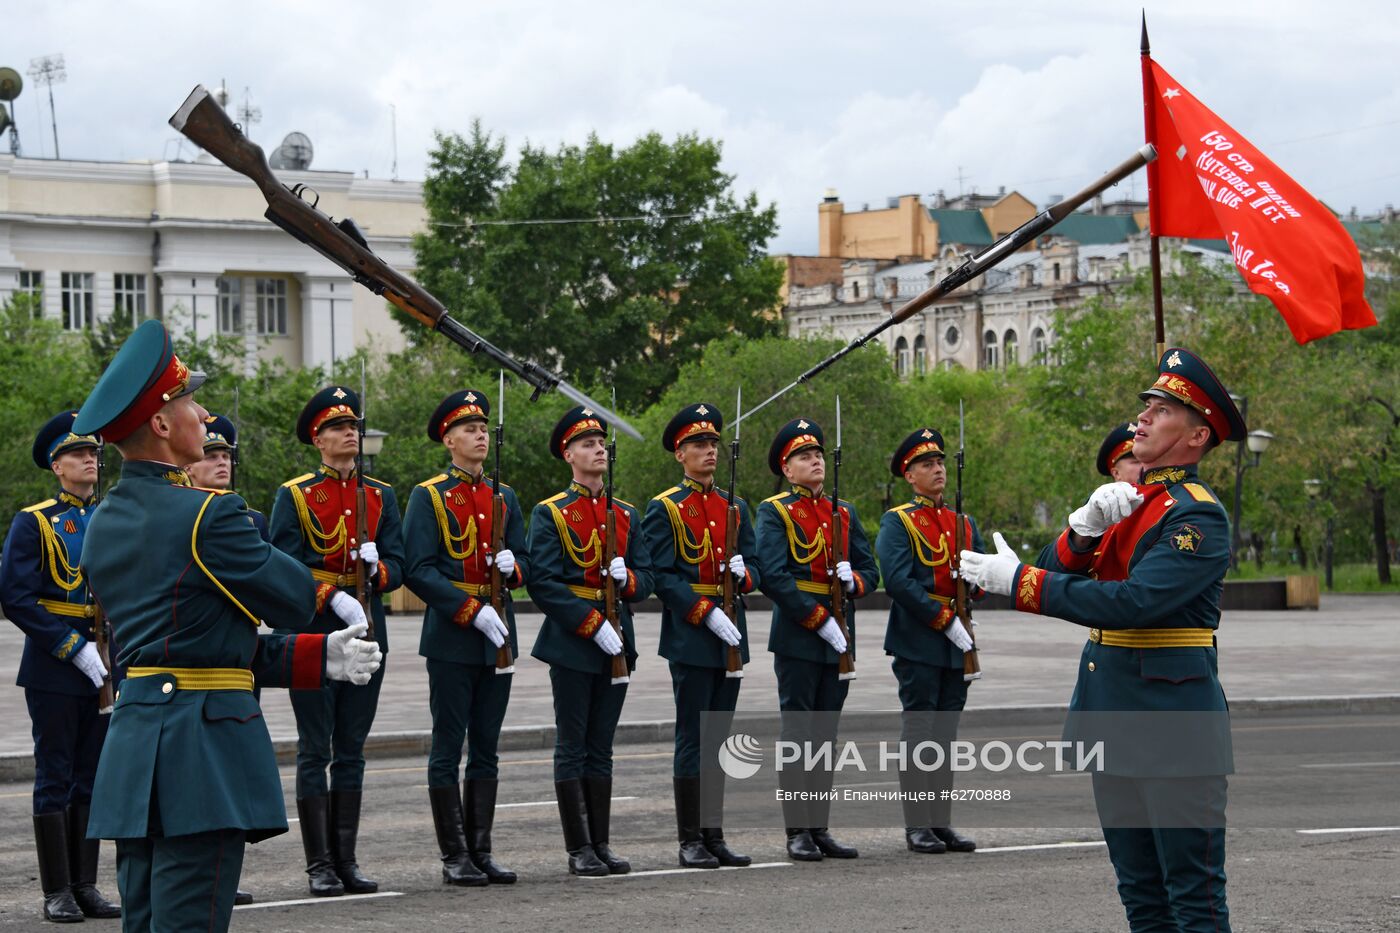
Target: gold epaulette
x,y
624,503
777,498
554,498
217,492
299,480
1198,492
434,480
378,481
40,506
662,495
903,507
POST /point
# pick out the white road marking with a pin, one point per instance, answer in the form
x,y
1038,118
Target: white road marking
x,y
1043,846
547,803
1348,765
1350,829
693,871
320,900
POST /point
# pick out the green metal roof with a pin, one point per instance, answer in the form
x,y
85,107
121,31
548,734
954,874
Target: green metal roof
x,y
1093,229
964,227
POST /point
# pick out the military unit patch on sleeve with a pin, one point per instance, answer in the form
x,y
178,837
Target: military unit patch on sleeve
x,y
1188,539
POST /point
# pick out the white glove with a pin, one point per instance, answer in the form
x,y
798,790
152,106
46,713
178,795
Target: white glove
x,y
618,571
831,634
608,640
88,661
369,553
736,566
719,623
348,657
958,635
1108,505
846,575
349,609
993,572
488,623
505,563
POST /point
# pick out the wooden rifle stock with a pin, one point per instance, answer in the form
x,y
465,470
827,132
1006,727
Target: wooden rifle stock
x,y
729,598
105,698
846,666
362,593
972,667
505,658
620,674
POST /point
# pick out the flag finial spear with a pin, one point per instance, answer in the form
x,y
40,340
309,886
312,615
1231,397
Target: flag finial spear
x,y
1146,47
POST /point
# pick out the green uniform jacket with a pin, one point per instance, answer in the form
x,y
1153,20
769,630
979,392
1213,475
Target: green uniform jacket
x,y
187,580
313,519
915,546
566,547
794,556
446,538
1163,567
686,527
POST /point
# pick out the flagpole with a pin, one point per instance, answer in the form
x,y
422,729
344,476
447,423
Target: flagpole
x,y
1150,128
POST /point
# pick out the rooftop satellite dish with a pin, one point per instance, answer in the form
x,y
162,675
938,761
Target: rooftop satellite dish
x,y
4,119
294,153
10,84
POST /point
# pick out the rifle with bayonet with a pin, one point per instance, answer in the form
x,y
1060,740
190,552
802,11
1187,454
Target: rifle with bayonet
x,y
105,698
729,596
620,674
362,593
204,122
976,265
846,665
972,667
505,659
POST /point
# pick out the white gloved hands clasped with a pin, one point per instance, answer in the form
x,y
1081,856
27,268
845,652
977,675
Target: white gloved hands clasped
x,y
90,663
348,608
489,623
618,570
726,630
1107,505
505,562
608,640
830,633
349,657
995,573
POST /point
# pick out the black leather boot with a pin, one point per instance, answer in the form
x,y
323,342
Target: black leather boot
x,y
800,847
457,866
345,824
51,841
714,841
82,863
829,846
693,853
597,791
954,840
242,897
582,859
479,807
314,814
923,841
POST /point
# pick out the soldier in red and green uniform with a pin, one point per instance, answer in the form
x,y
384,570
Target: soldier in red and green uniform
x,y
924,635
567,571
686,529
1142,567
447,532
314,519
797,561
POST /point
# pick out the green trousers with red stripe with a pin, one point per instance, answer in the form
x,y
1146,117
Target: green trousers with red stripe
x,y
171,883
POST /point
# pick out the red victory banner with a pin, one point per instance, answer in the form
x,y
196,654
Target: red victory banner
x,y
1210,182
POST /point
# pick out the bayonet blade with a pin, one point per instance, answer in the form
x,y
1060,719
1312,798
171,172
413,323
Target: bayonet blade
x,y
613,419
838,422
501,401
738,407
960,424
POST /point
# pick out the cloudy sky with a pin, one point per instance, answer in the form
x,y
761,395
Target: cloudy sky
x,y
872,99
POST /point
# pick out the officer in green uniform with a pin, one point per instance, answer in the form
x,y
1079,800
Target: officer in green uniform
x,y
43,593
686,529
215,470
1142,566
797,562
314,519
187,774
924,635
567,572
447,531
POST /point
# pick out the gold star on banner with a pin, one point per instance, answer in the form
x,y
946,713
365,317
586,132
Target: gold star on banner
x,y
702,410
339,392
803,425
1174,360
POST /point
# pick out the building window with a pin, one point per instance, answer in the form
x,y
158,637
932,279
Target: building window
x,y
272,307
1008,348
991,359
951,337
1056,271
1038,346
129,295
230,305
855,290
31,283
901,357
920,355
77,300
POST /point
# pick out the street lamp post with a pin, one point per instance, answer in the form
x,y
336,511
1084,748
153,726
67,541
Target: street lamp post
x,y
1257,442
374,443
1316,491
